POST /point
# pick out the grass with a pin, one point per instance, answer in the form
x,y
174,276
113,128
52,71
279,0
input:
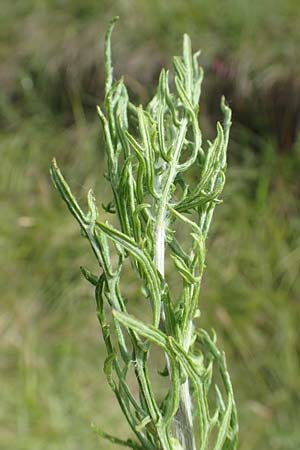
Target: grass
x,y
51,382
260,310
67,67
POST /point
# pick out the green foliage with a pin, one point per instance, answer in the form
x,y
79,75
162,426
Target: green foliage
x,y
151,195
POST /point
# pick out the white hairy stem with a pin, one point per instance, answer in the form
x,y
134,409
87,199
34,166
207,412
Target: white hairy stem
x,y
183,420
159,256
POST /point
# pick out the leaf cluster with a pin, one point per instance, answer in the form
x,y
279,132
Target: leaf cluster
x,y
150,151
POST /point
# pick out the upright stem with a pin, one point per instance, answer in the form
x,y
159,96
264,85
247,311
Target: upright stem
x,y
183,419
159,255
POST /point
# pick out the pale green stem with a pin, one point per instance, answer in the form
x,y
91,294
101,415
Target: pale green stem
x,y
183,419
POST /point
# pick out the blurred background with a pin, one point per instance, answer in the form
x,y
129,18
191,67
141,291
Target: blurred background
x,y
52,385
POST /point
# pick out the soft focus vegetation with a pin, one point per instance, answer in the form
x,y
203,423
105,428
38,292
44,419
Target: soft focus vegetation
x,y
51,353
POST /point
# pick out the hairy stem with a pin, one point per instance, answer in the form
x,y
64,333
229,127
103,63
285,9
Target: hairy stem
x,y
183,419
159,256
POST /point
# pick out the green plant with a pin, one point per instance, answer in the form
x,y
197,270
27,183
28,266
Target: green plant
x,y
150,151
